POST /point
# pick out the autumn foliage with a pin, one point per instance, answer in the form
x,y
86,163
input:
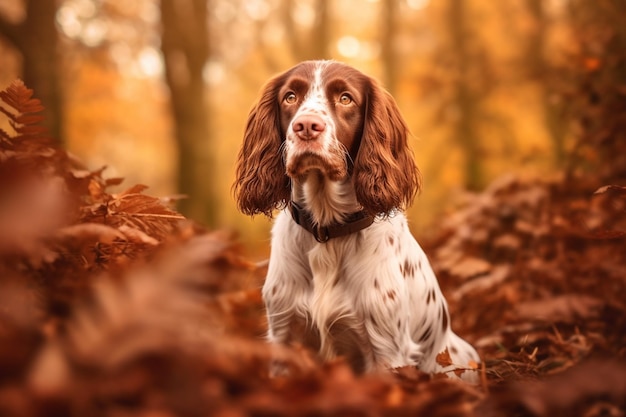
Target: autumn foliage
x,y
115,304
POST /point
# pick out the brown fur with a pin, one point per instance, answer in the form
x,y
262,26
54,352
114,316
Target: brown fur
x,y
262,184
385,175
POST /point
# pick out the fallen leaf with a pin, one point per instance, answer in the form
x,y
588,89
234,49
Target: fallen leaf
x,y
470,267
618,189
565,308
443,358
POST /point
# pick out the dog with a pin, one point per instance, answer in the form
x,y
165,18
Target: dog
x,y
327,146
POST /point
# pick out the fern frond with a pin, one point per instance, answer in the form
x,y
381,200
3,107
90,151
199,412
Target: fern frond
x,y
23,112
132,209
20,98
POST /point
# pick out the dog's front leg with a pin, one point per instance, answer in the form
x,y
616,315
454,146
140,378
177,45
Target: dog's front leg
x,y
286,292
384,305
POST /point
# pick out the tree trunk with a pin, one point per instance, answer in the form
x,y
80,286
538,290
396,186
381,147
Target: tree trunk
x,y
539,69
36,38
320,33
185,46
389,29
318,39
465,99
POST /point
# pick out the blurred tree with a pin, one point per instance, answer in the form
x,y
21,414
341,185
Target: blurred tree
x,y
186,50
540,69
37,40
389,28
466,90
313,43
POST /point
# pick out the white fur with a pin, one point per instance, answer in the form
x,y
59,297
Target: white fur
x,y
372,286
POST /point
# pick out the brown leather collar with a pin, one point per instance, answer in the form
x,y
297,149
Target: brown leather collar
x,y
354,222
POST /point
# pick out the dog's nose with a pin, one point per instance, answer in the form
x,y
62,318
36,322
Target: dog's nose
x,y
308,126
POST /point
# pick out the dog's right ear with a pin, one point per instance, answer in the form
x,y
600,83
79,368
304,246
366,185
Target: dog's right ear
x,y
385,175
261,183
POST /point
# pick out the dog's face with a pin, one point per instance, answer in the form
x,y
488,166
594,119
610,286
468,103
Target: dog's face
x,y
322,110
331,118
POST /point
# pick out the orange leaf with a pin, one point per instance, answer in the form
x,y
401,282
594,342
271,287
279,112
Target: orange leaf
x,y
135,189
18,96
24,117
617,189
444,358
592,64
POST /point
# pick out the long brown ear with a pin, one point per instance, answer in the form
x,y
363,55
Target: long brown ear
x,y
261,183
385,174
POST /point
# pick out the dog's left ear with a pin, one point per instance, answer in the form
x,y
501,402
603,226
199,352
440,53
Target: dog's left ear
x,y
261,183
385,174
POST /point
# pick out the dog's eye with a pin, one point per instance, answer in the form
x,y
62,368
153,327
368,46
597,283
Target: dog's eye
x,y
345,99
290,98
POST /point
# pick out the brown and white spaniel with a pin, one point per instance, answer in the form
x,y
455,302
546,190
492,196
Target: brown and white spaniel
x,y
327,145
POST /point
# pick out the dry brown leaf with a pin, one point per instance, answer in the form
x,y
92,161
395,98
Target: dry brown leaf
x,y
470,267
135,189
508,241
567,394
20,97
137,236
113,181
495,277
444,359
618,189
91,231
395,396
567,308
24,118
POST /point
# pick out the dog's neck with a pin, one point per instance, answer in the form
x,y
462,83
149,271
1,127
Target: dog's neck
x,y
329,202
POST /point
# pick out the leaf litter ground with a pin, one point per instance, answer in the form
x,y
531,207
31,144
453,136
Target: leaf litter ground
x,y
114,304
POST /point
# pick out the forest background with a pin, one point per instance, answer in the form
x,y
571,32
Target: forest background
x,y
158,92
113,303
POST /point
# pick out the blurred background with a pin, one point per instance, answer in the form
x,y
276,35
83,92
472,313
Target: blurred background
x,y
159,91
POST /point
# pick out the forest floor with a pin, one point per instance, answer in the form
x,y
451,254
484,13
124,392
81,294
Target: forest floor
x,y
116,305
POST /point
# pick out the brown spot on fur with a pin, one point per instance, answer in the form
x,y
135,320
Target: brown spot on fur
x,y
337,279
444,322
373,320
426,334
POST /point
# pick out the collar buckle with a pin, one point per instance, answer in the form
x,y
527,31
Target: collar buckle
x,y
321,234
